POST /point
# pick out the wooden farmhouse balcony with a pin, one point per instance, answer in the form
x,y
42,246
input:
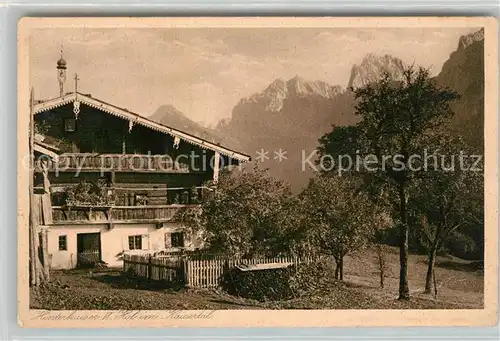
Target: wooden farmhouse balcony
x,y
116,214
113,162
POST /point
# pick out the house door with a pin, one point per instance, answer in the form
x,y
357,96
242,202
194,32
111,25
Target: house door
x,y
88,249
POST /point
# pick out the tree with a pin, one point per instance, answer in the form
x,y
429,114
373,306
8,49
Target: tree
x,y
447,200
249,213
381,261
340,219
394,115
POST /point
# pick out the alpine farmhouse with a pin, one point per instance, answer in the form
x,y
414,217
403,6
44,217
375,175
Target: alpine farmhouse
x,y
143,173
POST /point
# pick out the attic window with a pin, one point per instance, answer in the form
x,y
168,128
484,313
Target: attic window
x,y
69,125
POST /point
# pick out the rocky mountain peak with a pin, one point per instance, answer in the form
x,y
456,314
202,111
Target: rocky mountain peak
x,y
297,87
168,110
470,38
372,67
277,85
169,115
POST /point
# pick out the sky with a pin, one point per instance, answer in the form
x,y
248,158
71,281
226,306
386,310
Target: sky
x,y
205,72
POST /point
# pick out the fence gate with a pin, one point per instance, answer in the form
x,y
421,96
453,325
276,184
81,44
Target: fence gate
x,y
88,249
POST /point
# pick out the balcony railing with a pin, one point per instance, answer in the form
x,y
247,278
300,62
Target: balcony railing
x,y
138,194
113,162
116,214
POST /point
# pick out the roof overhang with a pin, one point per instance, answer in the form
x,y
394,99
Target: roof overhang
x,y
39,139
43,150
136,119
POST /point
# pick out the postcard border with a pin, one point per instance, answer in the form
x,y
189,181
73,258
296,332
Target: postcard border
x,y
273,318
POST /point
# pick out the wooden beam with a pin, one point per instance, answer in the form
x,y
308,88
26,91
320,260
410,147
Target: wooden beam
x,y
107,222
104,208
216,167
32,223
98,170
108,212
45,173
45,254
46,208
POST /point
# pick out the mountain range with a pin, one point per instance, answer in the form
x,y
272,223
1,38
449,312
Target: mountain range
x,y
463,72
291,115
171,116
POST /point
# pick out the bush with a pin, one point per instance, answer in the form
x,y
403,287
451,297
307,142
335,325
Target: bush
x,y
283,284
261,285
313,277
461,245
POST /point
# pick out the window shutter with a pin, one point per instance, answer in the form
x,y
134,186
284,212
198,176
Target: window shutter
x,y
168,241
145,242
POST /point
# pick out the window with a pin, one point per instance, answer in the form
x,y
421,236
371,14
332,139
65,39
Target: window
x,y
69,124
63,243
177,239
135,242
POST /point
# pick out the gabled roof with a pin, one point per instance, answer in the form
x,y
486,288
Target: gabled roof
x,y
135,119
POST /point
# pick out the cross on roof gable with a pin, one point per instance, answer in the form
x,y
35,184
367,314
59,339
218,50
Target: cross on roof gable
x,y
136,119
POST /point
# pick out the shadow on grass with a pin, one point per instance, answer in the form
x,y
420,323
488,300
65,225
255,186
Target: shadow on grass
x,y
123,281
462,266
349,284
222,301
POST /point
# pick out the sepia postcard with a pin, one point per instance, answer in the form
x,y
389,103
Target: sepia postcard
x,y
257,172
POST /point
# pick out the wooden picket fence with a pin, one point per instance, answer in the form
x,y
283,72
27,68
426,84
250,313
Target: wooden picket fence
x,y
168,269
196,273
209,273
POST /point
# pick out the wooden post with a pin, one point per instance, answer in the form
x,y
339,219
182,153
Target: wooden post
x,y
45,173
32,223
216,167
45,254
32,256
38,254
185,272
150,267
